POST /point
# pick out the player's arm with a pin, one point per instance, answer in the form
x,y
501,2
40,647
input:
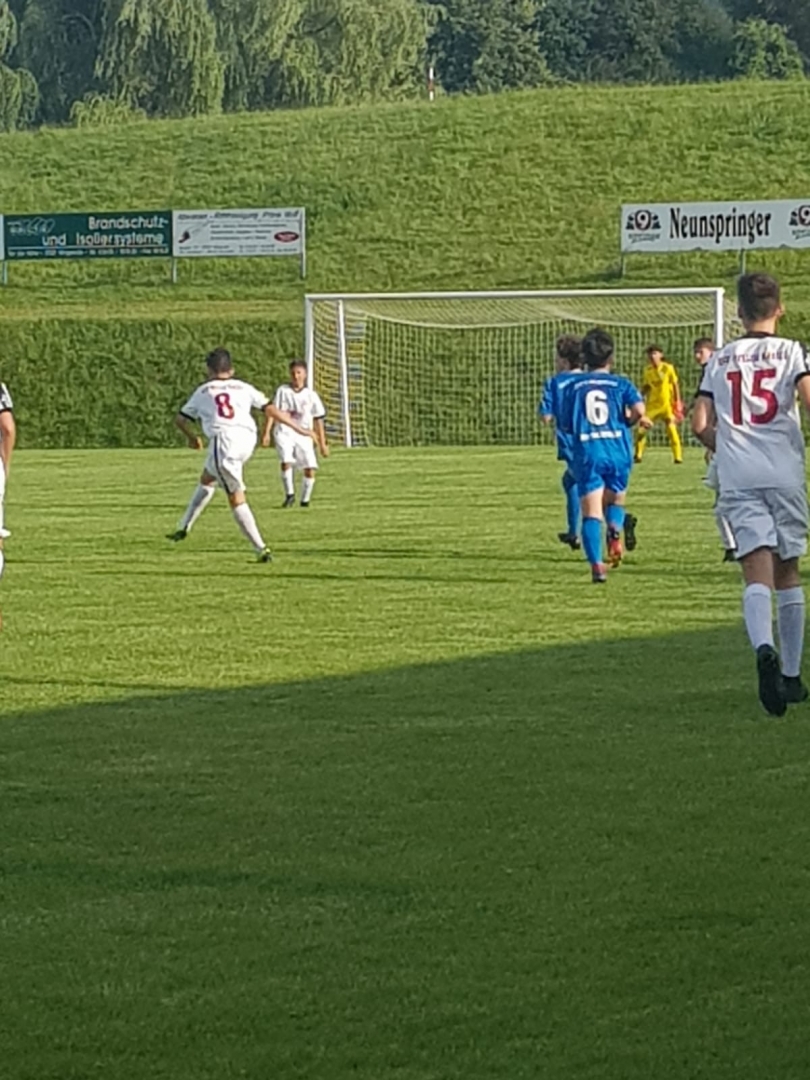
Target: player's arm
x,y
704,421
273,414
546,408
184,423
803,390
267,433
320,436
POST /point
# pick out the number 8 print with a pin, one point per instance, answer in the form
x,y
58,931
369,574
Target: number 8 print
x,y
224,407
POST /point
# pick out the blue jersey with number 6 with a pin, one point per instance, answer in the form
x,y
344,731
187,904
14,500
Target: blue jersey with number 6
x,y
594,415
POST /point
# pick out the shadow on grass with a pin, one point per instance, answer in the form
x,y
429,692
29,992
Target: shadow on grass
x,y
581,862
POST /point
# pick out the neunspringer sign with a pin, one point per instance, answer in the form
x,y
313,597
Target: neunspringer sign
x,y
722,226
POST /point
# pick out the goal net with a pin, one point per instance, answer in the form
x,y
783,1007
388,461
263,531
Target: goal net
x,y
468,368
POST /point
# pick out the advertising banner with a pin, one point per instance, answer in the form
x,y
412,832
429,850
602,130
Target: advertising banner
x,y
136,233
715,226
239,233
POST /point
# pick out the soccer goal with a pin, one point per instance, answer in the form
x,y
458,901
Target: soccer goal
x,y
427,369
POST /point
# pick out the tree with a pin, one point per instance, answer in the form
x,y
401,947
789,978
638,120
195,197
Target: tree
x,y
341,51
793,15
18,89
704,42
609,40
59,41
763,50
251,35
161,56
488,45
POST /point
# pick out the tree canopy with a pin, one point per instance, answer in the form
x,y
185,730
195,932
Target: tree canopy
x,y
103,61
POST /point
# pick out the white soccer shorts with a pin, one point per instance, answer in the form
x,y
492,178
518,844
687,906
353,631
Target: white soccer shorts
x,y
297,450
775,518
227,458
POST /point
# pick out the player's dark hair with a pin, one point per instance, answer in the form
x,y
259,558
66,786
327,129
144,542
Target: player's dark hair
x,y
569,348
298,362
703,343
219,362
759,296
654,348
597,349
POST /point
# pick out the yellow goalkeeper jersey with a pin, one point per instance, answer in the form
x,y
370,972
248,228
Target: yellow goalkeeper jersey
x,y
659,385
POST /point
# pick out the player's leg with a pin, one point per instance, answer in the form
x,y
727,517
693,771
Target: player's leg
x,y
285,448
615,497
755,531
592,493
640,443
790,512
230,470
307,460
203,494
675,444
572,510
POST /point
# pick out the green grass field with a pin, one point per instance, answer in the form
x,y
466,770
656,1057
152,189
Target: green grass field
x,y
417,802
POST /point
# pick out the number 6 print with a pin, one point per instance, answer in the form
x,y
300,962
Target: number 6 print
x,y
596,408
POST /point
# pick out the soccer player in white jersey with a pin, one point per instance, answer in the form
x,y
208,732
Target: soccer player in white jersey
x,y
298,450
224,407
747,412
8,437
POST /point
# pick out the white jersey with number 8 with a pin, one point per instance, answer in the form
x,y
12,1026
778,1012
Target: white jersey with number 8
x,y
753,382
224,407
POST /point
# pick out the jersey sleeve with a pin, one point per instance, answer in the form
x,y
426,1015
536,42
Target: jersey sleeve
x,y
318,410
258,399
801,363
279,398
546,406
706,389
632,395
6,404
191,409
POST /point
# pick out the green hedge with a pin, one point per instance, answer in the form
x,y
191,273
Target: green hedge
x,y
112,383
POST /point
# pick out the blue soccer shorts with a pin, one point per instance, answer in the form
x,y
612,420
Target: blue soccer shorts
x,y
593,475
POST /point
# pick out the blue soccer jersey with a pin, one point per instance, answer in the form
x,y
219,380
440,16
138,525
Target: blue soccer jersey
x,y
551,405
594,416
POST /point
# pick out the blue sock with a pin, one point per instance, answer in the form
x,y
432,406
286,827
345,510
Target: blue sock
x,y
615,517
571,502
592,540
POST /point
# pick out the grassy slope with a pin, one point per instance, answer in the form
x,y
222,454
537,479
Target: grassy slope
x,y
515,190
388,810
518,190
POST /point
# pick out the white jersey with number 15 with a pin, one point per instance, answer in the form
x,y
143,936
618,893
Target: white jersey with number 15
x,y
753,382
225,407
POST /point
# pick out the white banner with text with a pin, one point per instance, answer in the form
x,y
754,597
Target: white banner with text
x,y
239,233
720,226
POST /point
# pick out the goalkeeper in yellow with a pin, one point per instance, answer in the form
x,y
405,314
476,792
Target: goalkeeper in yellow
x,y
662,398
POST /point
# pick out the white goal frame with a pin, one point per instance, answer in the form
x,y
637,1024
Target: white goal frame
x,y
716,314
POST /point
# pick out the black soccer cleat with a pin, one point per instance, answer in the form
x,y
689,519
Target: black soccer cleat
x,y
772,691
569,540
264,556
289,500
730,555
630,538
304,505
599,574
176,537
795,691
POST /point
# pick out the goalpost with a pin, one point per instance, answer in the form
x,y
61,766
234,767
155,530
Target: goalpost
x,y
420,369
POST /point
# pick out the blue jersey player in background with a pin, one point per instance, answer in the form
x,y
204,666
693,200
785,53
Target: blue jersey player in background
x,y
598,409
569,366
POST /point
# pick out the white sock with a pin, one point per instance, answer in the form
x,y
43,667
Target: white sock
x,y
726,535
247,524
306,490
288,480
199,500
758,615
2,561
790,620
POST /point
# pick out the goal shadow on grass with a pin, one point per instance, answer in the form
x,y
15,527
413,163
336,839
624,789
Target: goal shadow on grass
x,y
583,861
